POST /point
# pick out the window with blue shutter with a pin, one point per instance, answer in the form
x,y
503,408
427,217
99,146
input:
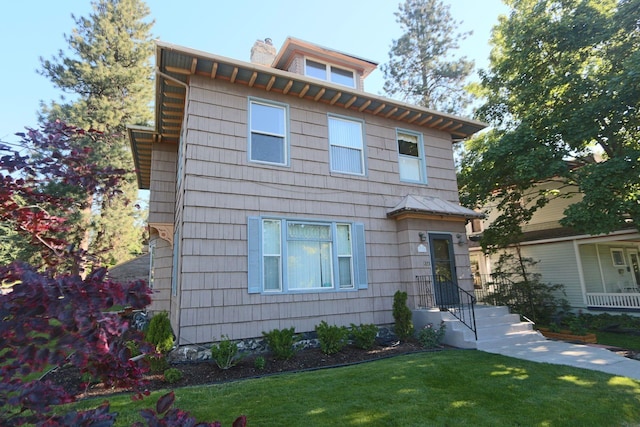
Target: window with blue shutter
x,y
290,256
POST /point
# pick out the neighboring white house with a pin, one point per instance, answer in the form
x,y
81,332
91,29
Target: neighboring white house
x,y
598,272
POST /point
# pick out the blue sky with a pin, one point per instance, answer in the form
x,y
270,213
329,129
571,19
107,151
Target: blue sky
x,y
30,29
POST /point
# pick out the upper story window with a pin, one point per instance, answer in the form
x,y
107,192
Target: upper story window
x,y
329,73
268,140
346,145
411,156
288,255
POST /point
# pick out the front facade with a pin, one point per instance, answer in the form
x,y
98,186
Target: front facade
x,y
599,273
282,194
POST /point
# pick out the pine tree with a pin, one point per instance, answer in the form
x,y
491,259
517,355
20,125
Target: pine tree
x,y
420,69
109,75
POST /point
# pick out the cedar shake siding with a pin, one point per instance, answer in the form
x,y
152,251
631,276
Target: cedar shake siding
x,y
252,226
222,189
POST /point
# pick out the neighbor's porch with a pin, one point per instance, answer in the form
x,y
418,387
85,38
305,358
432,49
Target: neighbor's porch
x,y
610,274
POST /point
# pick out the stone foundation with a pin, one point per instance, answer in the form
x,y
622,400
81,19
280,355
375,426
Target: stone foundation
x,y
253,346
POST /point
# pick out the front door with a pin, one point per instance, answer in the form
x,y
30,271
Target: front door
x,y
445,281
634,263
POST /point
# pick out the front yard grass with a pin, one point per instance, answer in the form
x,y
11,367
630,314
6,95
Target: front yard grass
x,y
457,387
626,341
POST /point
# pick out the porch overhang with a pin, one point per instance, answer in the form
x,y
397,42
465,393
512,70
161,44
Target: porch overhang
x,y
429,207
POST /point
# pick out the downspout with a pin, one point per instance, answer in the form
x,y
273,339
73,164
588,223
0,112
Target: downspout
x,y
181,148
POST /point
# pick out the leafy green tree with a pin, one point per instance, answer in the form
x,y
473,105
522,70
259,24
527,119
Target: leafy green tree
x,y
107,69
420,68
563,84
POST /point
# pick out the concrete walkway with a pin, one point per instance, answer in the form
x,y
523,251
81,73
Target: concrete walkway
x,y
578,355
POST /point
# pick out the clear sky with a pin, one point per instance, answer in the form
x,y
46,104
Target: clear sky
x,y
30,29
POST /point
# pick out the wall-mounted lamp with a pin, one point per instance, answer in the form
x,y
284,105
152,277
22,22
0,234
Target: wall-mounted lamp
x,y
462,239
423,237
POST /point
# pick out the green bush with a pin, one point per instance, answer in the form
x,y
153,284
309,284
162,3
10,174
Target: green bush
x,y
225,353
259,363
364,336
159,332
402,316
157,362
430,337
515,284
281,342
332,338
172,375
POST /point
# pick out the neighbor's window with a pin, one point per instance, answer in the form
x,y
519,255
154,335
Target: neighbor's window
x,y
346,145
298,256
329,73
411,157
268,132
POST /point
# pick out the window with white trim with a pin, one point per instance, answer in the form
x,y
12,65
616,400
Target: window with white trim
x,y
268,123
287,256
330,73
411,156
346,145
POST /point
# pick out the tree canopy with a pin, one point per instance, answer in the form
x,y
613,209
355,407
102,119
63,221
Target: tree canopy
x,y
562,95
421,69
109,74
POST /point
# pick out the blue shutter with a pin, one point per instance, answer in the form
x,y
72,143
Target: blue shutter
x,y
254,243
360,257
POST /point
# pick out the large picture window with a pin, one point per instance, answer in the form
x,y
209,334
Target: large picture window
x,y
302,256
346,145
268,132
411,157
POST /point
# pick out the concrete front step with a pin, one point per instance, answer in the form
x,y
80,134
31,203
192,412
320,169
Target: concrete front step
x,y
507,340
495,327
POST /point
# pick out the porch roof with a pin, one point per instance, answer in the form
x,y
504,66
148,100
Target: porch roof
x,y
428,205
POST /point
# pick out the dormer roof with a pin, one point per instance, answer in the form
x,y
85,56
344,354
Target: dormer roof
x,y
293,46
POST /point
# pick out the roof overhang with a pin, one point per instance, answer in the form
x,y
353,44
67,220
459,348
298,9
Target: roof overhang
x,y
429,207
142,139
175,65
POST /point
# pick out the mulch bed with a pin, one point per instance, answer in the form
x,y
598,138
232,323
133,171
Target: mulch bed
x,y
207,372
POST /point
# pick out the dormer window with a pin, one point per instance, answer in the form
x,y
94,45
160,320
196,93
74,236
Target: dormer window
x,y
329,73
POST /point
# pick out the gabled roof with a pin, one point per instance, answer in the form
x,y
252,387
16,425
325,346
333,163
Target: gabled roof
x,y
428,205
176,64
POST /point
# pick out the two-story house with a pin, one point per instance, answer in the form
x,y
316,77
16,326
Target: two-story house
x,y
598,272
282,194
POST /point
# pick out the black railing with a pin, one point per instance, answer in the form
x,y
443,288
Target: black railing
x,y
445,294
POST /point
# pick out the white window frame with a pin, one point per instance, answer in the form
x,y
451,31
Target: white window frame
x,y
284,135
328,72
617,257
332,161
354,253
420,158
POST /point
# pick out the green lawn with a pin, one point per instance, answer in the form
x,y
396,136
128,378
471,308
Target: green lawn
x,y
457,387
628,341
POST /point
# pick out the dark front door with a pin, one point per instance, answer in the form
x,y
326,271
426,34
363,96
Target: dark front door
x,y
444,270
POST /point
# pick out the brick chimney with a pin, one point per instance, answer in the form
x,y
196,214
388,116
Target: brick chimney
x,y
263,52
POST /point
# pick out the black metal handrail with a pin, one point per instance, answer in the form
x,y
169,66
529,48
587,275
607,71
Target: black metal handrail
x,y
445,294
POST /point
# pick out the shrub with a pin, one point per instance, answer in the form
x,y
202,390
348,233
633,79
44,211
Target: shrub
x,y
172,375
515,285
225,353
402,316
281,342
430,337
332,338
259,363
157,362
364,336
159,332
